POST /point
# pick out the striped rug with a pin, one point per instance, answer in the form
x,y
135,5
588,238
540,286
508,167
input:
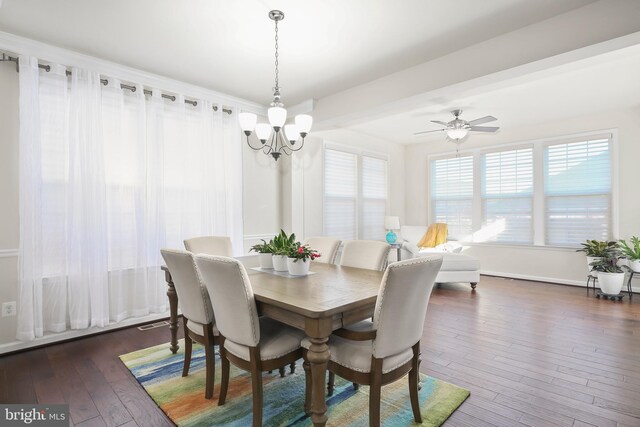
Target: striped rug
x,y
182,398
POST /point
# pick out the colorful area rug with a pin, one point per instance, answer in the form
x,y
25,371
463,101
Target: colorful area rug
x,y
182,398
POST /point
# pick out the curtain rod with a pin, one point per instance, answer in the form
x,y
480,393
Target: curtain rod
x,y
105,82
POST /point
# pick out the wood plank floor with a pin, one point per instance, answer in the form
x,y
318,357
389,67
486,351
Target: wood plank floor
x,y
531,353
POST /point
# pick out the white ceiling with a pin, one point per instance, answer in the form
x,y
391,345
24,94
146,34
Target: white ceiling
x,y
326,46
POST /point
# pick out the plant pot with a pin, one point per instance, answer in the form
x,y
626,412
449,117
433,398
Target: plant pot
x,y
634,264
610,283
279,262
591,259
298,267
266,260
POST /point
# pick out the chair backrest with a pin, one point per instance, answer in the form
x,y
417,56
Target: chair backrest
x,y
369,254
192,295
402,302
230,289
210,245
326,246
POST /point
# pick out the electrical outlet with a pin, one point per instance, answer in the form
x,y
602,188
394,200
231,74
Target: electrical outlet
x,y
9,309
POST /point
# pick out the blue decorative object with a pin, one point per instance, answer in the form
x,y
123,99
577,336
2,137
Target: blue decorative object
x,y
391,237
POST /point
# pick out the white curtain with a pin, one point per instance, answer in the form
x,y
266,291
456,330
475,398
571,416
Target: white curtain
x,y
108,176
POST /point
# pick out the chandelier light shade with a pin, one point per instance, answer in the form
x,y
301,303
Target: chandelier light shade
x,y
276,137
456,134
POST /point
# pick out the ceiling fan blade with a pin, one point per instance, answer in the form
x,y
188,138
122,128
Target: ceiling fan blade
x,y
481,120
440,123
484,128
429,131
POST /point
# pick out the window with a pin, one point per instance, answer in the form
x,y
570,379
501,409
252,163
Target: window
x,y
577,188
452,195
355,195
547,192
507,196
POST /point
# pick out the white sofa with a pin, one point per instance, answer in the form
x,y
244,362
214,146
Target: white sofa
x,y
456,266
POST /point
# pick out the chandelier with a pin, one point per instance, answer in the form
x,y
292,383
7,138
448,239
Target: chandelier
x,y
276,137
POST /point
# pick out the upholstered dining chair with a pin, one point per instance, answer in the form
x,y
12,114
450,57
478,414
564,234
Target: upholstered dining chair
x,y
252,343
369,254
197,312
326,246
382,351
210,245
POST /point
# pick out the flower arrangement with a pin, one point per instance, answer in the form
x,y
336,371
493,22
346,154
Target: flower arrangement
x,y
302,252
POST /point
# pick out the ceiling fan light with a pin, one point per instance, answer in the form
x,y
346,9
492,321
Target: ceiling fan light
x,y
277,116
247,121
303,123
457,133
263,131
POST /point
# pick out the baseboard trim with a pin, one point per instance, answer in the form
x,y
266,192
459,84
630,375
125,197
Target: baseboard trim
x,y
546,279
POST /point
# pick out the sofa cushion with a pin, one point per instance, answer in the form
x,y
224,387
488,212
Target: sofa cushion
x,y
459,262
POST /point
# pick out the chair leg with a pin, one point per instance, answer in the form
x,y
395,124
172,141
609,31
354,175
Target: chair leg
x,y
292,368
331,383
281,371
256,385
307,381
188,345
224,381
210,361
374,392
414,376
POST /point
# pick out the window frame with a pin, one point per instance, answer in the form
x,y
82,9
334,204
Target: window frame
x,y
538,213
359,153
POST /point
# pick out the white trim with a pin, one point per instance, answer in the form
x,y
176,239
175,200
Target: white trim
x,y
552,280
49,53
9,253
259,236
51,338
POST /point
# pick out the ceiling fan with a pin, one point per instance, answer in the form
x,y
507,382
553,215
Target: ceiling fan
x,y
457,128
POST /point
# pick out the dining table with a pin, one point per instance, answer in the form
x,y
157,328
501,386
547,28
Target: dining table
x,y
327,299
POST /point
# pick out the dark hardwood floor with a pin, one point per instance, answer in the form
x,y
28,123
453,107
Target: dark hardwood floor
x,y
531,353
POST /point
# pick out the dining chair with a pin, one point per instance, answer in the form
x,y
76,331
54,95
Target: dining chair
x,y
381,351
326,246
210,245
197,312
250,342
369,254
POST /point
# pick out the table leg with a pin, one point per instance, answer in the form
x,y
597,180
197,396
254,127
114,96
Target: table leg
x,y
318,356
173,312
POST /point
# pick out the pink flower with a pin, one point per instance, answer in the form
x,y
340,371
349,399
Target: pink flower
x,y
300,250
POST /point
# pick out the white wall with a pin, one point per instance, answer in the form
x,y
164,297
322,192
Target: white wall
x,y
555,265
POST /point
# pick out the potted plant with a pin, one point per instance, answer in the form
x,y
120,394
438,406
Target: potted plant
x,y
299,259
631,253
265,253
610,275
595,250
282,244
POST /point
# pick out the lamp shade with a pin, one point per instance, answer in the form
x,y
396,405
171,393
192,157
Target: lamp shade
x,y
277,116
392,222
247,121
291,131
303,123
263,131
457,133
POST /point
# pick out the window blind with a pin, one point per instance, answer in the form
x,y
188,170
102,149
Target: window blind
x,y
374,198
507,197
452,194
577,187
340,194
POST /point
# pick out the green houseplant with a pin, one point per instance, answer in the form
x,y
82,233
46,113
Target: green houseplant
x,y
265,253
282,244
631,252
299,258
610,274
595,250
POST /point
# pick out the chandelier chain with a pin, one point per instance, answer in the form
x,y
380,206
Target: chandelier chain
x,y
277,88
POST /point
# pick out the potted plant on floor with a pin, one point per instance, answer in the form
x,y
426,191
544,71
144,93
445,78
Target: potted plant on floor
x,y
610,274
265,253
300,257
595,250
632,253
282,244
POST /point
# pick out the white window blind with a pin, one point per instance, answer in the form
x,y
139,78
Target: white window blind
x,y
507,197
340,194
577,187
452,194
374,197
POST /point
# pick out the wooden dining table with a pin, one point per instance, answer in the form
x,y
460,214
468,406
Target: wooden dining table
x,y
328,299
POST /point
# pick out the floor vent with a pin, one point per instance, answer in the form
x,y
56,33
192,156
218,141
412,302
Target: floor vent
x,y
153,325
